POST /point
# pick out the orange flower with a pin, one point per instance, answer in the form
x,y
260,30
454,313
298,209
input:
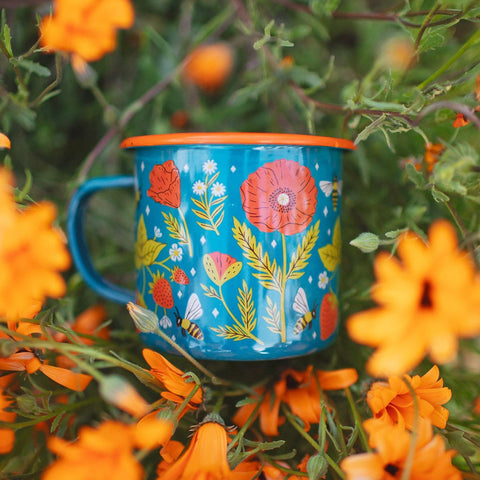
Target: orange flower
x,y
165,184
209,66
280,195
392,402
205,458
25,360
431,461
426,302
432,154
7,436
460,121
298,390
154,430
4,141
99,453
398,53
32,252
172,378
85,28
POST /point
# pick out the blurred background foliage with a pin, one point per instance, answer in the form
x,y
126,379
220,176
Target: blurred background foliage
x,y
308,66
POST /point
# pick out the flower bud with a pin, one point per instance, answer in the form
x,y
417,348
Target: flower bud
x,y
117,391
145,320
366,242
317,467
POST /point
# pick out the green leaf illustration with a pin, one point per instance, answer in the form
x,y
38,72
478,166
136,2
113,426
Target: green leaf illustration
x,y
331,253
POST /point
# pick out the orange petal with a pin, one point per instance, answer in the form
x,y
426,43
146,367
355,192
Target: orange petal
x,y
72,380
337,379
4,141
7,439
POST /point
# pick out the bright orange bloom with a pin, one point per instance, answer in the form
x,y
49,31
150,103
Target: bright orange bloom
x,y
99,453
300,391
170,453
32,252
205,458
426,302
460,121
7,436
392,402
209,66
398,53
172,378
85,28
431,460
4,141
432,154
154,430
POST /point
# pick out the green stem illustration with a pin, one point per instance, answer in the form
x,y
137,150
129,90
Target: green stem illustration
x,y
188,240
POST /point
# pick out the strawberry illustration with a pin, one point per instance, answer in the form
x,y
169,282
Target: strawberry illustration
x,y
179,276
161,291
328,315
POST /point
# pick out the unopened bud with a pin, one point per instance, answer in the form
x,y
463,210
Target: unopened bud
x,y
145,320
7,347
317,467
366,242
117,391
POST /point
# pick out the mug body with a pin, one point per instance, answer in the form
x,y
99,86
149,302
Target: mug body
x,y
238,240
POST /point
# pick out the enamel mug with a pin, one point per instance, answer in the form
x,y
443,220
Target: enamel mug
x,y
237,241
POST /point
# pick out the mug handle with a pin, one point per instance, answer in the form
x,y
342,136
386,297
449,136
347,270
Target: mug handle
x,y
77,241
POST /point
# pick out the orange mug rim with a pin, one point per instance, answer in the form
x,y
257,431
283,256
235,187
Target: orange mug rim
x,y
236,138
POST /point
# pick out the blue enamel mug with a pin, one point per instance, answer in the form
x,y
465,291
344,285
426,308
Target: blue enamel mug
x,y
237,246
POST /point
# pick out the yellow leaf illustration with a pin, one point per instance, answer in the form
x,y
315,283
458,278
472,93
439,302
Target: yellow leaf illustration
x,y
211,269
331,253
231,271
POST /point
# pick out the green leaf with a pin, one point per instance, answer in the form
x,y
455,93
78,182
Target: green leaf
x,y
30,66
330,257
150,251
439,196
415,176
7,39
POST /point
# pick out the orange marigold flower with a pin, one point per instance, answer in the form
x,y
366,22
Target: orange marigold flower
x,y
209,66
4,141
172,378
32,252
431,461
7,436
392,402
300,391
206,456
460,121
432,154
426,302
99,453
85,28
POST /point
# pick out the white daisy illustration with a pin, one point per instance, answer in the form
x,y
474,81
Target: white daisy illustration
x,y
323,280
218,189
165,322
176,253
199,187
209,167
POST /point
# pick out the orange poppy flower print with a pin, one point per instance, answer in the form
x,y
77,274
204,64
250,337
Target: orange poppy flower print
x,y
280,196
165,184
85,28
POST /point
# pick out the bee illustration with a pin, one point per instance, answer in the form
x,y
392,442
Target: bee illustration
x,y
333,188
300,305
192,312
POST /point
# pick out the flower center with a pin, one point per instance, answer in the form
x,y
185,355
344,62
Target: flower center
x,y
282,199
426,300
391,469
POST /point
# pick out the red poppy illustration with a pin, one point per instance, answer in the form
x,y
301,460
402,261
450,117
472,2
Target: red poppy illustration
x,y
280,195
165,184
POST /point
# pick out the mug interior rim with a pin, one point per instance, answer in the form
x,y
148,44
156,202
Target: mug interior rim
x,y
236,138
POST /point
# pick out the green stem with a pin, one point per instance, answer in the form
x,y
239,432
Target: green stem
x,y
188,240
283,323
358,420
187,399
51,86
312,442
18,73
446,65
